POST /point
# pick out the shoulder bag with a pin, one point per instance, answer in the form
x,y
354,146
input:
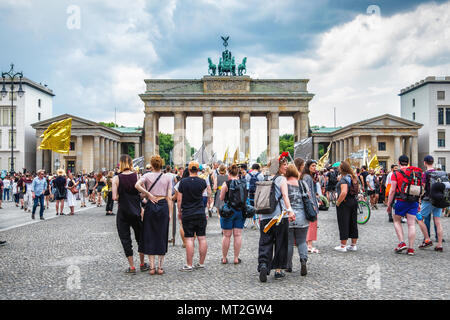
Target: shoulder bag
x,y
310,211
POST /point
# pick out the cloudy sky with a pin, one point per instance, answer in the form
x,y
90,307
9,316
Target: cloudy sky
x,y
357,54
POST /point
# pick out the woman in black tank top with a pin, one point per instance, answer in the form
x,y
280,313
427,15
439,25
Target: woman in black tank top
x,y
128,213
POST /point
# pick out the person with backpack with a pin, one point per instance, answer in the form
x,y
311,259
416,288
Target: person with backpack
x,y
309,172
406,187
332,181
252,177
371,187
433,201
347,208
234,193
273,244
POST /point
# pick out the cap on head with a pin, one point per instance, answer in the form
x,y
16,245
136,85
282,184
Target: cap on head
x,y
193,166
429,159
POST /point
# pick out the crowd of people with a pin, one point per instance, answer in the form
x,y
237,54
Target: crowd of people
x,y
148,200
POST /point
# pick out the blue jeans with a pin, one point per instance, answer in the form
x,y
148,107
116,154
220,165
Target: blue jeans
x,y
41,202
6,194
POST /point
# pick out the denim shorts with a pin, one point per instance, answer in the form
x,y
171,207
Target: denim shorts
x,y
427,208
402,208
236,221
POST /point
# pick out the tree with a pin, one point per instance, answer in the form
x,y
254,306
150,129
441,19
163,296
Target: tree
x,y
287,143
165,146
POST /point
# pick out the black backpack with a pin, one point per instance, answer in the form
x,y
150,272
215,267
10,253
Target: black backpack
x,y
237,194
332,179
253,180
439,189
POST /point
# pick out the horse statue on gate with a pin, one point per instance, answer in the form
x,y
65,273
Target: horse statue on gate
x,y
227,65
242,67
211,68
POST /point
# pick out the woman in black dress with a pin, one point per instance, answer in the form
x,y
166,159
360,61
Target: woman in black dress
x,y
128,212
60,191
157,188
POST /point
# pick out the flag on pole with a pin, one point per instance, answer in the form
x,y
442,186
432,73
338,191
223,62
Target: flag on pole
x,y
57,136
324,159
236,156
373,164
225,157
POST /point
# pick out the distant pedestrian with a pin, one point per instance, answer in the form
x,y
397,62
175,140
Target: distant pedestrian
x,y
109,198
59,183
71,192
38,187
308,172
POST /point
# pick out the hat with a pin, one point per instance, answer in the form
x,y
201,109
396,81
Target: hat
x,y
429,159
60,172
192,165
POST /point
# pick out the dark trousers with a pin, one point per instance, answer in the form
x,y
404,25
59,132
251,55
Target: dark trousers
x,y
124,222
427,221
39,199
109,202
273,245
347,214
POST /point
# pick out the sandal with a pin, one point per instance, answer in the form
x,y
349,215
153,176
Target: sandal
x,y
440,249
239,261
225,261
313,250
161,271
152,271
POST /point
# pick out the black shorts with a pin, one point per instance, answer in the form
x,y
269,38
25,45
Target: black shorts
x,y
194,225
371,192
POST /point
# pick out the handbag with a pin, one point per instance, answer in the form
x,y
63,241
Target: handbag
x,y
310,211
226,211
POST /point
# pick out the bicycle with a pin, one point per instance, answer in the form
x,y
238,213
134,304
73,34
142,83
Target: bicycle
x,y
333,198
363,209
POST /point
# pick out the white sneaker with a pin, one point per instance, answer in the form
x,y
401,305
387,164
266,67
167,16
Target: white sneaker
x,y
352,248
404,220
340,249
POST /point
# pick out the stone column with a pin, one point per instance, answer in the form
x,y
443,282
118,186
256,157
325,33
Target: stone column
x,y
374,145
341,150
111,155
156,132
179,148
316,151
79,149
115,156
273,133
245,133
415,152
397,149
208,132
304,125
345,149
333,152
39,155
96,152
102,153
355,144
107,154
408,147
149,137
350,146
47,161
137,152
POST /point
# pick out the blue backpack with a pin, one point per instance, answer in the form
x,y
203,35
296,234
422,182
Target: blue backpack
x,y
253,180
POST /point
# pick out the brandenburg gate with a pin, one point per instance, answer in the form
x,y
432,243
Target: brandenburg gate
x,y
225,94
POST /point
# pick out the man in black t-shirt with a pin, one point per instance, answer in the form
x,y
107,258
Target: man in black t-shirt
x,y
364,175
191,212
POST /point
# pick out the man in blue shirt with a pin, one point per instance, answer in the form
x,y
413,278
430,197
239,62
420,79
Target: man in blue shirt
x,y
38,188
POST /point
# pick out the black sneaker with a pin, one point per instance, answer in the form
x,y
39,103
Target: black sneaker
x,y
145,267
303,270
263,274
289,270
32,216
279,275
2,243
42,218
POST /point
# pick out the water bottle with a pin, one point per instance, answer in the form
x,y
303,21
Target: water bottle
x,y
419,216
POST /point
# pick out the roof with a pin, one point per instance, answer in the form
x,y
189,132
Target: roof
x,y
129,129
31,83
427,80
324,129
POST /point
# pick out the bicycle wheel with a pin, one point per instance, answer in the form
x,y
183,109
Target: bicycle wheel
x,y
363,212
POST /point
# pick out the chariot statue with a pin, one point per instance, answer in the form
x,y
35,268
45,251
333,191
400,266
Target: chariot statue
x,y
227,65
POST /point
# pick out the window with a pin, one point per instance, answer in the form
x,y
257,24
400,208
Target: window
x,y
9,163
14,136
441,164
5,114
381,146
72,146
447,115
414,102
441,95
39,103
39,116
414,116
441,139
441,116
383,164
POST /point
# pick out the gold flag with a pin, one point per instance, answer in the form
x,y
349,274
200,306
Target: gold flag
x,y
225,157
236,156
57,136
373,164
324,160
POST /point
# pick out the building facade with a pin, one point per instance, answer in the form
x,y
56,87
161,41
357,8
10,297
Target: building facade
x,y
428,102
387,136
93,147
35,105
215,96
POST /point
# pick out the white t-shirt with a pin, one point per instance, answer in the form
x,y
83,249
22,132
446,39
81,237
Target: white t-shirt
x,y
371,181
388,179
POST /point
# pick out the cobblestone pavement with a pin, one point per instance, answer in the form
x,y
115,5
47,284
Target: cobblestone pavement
x,y
80,257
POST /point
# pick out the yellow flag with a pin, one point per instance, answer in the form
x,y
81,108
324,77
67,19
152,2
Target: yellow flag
x,y
225,157
324,160
236,156
373,164
57,136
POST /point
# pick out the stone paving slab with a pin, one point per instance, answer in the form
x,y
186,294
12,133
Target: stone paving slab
x,y
80,257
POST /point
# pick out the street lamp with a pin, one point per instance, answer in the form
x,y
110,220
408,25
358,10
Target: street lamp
x,y
12,75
